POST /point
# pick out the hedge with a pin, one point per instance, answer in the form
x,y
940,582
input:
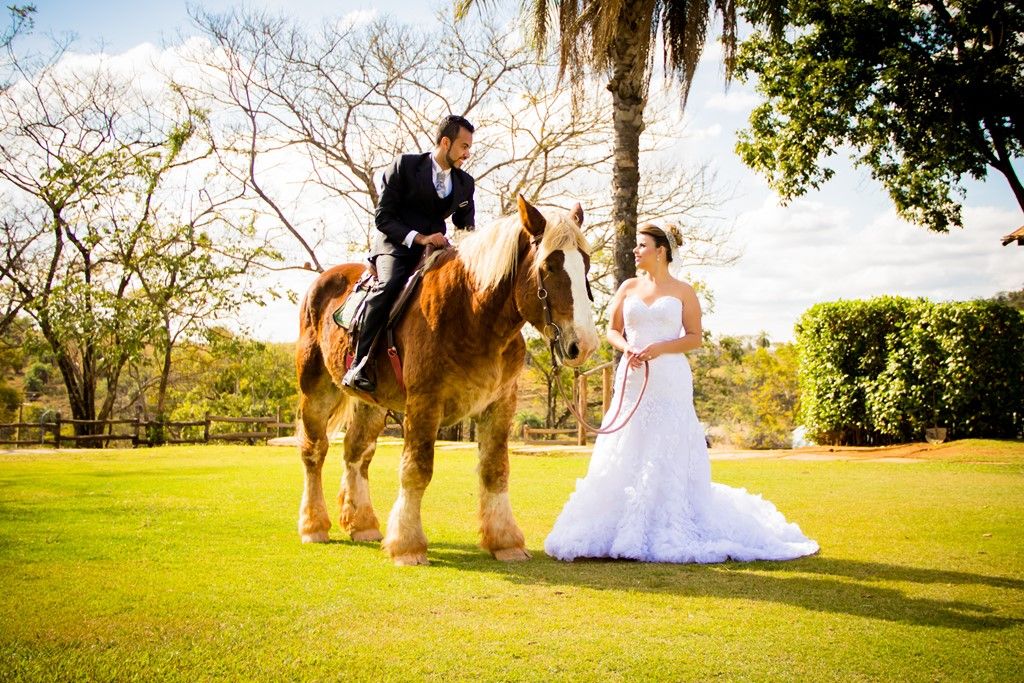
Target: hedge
x,y
882,370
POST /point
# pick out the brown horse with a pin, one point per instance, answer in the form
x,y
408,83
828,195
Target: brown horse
x,y
462,350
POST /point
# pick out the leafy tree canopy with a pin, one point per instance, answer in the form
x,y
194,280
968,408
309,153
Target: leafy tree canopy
x,y
925,93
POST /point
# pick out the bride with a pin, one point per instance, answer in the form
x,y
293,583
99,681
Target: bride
x,y
648,493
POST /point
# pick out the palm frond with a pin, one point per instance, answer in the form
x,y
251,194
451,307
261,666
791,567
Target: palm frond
x,y
727,8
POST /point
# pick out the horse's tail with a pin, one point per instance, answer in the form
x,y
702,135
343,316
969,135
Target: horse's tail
x,y
341,416
337,421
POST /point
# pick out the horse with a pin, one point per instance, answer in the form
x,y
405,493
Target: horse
x,y
462,348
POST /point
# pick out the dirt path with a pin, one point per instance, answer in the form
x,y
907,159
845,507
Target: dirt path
x,y
1005,452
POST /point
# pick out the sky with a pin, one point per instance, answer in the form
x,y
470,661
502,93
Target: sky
x,y
841,242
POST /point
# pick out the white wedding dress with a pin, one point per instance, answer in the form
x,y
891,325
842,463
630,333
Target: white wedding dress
x,y
648,493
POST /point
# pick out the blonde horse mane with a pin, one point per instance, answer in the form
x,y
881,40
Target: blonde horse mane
x,y
490,254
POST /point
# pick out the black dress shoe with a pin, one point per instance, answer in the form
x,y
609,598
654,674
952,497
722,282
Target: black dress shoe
x,y
356,378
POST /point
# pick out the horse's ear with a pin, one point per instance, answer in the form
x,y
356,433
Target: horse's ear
x,y
531,218
577,214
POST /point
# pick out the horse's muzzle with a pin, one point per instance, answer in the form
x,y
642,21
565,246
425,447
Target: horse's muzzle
x,y
574,349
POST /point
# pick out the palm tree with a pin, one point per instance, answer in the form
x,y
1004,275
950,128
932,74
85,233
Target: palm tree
x,y
618,38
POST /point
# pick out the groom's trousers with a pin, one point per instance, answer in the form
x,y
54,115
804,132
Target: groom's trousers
x,y
392,273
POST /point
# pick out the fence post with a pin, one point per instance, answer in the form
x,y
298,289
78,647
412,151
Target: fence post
x,y
280,430
206,428
606,388
581,431
56,431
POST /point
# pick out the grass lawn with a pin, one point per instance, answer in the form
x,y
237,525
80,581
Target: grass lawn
x,y
183,563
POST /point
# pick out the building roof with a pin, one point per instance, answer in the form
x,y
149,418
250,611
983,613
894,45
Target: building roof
x,y
1015,236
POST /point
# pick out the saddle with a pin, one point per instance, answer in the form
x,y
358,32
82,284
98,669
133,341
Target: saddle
x,y
349,316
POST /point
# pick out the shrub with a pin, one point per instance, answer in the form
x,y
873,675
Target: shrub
x,y
882,370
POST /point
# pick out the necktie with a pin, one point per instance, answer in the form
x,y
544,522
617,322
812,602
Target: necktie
x,y
439,185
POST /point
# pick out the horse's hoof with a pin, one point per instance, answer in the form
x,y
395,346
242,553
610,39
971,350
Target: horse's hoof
x,y
410,560
367,535
315,537
512,555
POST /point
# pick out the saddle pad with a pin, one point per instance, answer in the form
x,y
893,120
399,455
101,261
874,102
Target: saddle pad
x,y
349,313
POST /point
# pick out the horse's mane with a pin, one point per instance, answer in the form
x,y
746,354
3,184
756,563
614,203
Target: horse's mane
x,y
490,254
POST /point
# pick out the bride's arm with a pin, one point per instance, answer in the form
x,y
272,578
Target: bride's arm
x,y
616,335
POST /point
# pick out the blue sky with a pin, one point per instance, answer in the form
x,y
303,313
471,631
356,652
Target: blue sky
x,y
843,242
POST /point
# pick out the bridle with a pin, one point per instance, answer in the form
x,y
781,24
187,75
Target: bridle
x,y
558,356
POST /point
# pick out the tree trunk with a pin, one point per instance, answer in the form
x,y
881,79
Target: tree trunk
x,y
1003,163
165,372
628,85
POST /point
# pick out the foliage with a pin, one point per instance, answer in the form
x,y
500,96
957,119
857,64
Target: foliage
x,y
112,244
10,399
183,564
882,370
233,376
745,390
1014,299
38,376
525,418
925,94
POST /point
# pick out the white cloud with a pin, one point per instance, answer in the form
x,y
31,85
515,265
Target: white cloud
x,y
707,133
357,18
733,101
812,251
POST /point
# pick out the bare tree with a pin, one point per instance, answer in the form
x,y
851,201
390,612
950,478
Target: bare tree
x,y
347,100
89,166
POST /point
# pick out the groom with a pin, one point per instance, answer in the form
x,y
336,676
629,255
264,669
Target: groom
x,y
420,191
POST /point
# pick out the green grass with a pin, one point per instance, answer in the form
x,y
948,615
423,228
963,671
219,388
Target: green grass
x,y
184,564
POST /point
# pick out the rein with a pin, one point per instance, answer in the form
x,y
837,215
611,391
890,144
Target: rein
x,y
618,409
555,342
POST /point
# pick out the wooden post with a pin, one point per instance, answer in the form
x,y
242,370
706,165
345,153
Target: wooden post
x,y
206,428
280,430
581,431
17,429
606,388
56,432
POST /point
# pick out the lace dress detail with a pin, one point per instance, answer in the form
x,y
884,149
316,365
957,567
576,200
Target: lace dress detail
x,y
648,494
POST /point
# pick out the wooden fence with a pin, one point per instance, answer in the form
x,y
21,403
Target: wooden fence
x,y
537,435
139,432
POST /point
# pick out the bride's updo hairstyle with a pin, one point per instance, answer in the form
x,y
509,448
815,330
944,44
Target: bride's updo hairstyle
x,y
670,238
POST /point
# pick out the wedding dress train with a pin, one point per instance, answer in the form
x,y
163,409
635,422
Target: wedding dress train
x,y
648,494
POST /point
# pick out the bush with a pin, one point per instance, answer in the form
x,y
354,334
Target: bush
x,y
526,418
10,399
37,377
881,371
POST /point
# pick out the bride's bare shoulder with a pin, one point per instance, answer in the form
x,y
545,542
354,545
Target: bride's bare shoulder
x,y
682,289
627,286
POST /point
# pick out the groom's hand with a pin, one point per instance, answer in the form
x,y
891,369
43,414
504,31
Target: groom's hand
x,y
436,240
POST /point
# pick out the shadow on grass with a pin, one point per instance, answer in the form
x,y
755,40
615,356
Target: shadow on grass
x,y
841,586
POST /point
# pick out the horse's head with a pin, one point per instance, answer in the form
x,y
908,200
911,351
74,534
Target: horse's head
x,y
553,294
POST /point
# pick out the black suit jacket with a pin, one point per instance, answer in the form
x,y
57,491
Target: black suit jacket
x,y
408,201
